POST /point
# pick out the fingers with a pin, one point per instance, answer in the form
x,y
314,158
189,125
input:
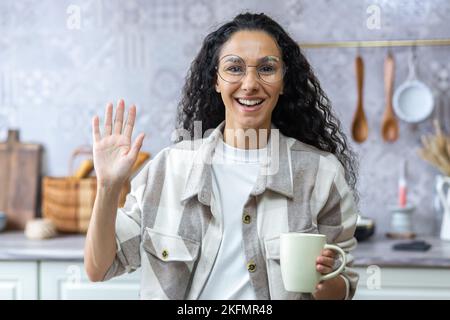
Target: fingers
x,y
323,269
130,121
118,120
108,119
136,146
95,129
328,253
325,262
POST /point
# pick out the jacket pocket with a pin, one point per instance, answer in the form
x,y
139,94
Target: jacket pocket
x,y
172,259
170,247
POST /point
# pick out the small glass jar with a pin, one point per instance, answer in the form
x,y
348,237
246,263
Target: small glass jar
x,y
402,221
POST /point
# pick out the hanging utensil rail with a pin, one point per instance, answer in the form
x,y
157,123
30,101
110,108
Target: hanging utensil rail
x,y
376,43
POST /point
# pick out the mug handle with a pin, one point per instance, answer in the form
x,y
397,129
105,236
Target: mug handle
x,y
341,267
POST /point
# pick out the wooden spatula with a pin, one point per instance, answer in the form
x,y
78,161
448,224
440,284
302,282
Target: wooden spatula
x,y
389,127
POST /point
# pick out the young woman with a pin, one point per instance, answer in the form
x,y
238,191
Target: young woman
x,y
204,217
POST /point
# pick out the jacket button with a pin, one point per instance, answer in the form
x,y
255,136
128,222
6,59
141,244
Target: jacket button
x,y
251,266
246,218
165,254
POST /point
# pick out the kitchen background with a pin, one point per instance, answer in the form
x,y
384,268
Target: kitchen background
x,y
58,71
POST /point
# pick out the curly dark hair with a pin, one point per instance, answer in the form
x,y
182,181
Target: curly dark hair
x,y
302,112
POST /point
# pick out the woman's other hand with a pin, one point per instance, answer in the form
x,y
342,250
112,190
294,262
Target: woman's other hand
x,y
329,289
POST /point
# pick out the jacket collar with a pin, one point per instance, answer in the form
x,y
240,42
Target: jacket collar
x,y
274,175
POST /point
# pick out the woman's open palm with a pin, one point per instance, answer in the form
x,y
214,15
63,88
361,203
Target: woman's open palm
x,y
114,155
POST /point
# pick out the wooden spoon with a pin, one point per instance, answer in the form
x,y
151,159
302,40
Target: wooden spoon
x,y
360,129
389,128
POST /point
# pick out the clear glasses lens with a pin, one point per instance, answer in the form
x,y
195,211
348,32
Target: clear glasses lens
x,y
233,69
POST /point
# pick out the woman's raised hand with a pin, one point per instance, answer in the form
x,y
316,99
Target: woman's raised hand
x,y
114,155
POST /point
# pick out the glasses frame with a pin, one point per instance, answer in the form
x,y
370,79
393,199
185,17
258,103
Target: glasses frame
x,y
246,68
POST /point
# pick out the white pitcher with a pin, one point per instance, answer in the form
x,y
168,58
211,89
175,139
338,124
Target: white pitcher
x,y
444,196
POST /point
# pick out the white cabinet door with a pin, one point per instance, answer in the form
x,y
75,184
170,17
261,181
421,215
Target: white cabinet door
x,y
403,283
68,280
18,280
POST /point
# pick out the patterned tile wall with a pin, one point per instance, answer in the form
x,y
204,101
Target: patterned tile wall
x,y
57,71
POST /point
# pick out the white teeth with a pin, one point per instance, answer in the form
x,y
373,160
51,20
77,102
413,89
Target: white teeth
x,y
249,102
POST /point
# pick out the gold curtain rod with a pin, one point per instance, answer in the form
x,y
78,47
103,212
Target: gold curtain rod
x,y
375,44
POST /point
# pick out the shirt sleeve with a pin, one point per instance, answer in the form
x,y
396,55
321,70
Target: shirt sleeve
x,y
128,229
337,220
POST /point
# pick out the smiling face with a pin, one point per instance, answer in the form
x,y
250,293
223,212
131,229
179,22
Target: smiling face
x,y
249,102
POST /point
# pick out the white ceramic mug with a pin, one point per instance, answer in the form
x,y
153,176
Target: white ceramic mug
x,y
298,254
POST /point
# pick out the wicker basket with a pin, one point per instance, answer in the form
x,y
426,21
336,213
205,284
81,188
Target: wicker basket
x,y
68,201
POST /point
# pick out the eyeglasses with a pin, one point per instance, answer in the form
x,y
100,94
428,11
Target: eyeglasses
x,y
233,69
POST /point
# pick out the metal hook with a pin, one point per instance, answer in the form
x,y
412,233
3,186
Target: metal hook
x,y
358,49
389,48
412,64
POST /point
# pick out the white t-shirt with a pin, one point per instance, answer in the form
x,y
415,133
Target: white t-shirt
x,y
234,173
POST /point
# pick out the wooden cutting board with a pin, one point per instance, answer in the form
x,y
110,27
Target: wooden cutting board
x,y
20,165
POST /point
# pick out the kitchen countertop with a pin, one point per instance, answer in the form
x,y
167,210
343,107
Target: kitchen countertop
x,y
15,246
378,251
375,251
